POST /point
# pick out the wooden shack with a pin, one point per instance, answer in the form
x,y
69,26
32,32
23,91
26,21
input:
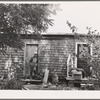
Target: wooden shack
x,y
52,51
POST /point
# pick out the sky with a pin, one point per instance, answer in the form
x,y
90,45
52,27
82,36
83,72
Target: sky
x,y
81,14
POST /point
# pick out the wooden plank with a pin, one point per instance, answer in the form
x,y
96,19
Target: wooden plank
x,y
69,64
46,74
30,80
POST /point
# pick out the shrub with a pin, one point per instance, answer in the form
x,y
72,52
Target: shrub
x,y
53,78
13,84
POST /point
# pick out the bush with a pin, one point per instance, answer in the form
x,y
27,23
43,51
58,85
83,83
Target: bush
x,y
53,78
13,84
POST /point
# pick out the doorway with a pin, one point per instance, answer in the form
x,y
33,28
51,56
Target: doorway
x,y
83,51
30,51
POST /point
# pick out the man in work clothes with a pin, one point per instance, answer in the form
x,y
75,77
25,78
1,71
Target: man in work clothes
x,y
33,65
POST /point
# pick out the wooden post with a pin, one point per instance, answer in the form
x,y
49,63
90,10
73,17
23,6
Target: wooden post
x,y
46,74
68,60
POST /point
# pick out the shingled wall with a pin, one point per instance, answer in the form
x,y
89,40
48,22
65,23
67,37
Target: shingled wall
x,y
53,53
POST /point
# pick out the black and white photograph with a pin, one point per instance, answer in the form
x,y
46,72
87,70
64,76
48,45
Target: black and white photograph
x,y
50,46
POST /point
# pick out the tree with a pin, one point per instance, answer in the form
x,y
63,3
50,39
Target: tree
x,y
15,19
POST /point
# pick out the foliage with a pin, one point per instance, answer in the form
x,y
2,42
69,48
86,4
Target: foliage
x,y
15,20
87,87
14,67
53,78
15,73
13,84
19,71
92,37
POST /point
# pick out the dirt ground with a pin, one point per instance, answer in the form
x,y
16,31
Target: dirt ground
x,y
50,87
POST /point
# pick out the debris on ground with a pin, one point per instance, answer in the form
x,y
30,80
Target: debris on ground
x,y
49,87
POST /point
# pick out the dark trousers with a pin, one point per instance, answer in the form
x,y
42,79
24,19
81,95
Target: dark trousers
x,y
31,71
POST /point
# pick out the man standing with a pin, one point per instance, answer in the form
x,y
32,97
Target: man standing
x,y
33,65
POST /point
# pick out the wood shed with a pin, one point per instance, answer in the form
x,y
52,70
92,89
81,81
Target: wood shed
x,y
52,51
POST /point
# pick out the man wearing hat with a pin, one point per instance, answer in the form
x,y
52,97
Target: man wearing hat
x,y
33,65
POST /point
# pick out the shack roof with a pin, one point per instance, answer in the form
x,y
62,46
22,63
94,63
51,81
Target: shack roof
x,y
50,35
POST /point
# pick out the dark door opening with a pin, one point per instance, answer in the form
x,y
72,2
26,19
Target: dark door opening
x,y
31,50
83,52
